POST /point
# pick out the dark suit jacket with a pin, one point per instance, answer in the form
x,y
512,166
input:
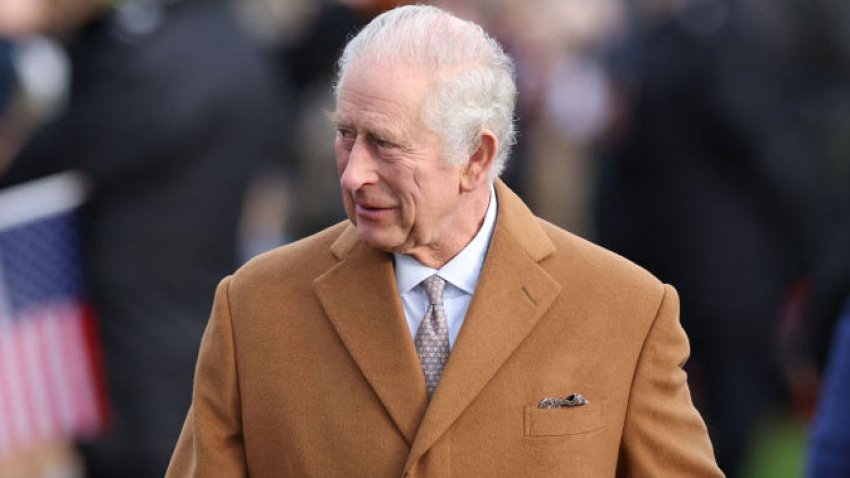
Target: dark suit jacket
x,y
307,368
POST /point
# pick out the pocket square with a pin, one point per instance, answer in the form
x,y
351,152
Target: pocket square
x,y
571,400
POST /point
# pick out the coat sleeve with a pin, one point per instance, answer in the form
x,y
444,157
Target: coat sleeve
x,y
211,443
664,434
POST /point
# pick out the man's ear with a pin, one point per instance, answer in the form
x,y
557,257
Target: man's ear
x,y
476,171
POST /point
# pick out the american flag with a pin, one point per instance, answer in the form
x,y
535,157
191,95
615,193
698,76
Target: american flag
x,y
50,380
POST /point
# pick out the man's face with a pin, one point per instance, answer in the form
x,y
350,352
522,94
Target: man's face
x,y
397,188
20,18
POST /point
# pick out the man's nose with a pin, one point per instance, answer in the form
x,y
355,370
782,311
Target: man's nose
x,y
359,169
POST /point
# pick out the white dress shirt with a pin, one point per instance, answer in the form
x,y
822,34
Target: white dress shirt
x,y
461,276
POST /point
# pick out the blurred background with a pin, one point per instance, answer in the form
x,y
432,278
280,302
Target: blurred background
x,y
707,140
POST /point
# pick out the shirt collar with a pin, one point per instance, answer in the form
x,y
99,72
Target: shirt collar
x,y
464,268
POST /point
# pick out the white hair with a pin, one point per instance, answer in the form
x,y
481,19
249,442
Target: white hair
x,y
475,86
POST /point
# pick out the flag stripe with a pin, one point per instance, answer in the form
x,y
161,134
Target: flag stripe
x,y
15,387
36,377
52,372
61,386
28,375
5,394
95,369
93,352
78,369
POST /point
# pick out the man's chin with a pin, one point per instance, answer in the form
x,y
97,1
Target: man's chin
x,y
381,241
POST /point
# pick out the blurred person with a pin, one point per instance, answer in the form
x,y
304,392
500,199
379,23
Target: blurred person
x,y
564,99
8,84
305,36
815,41
35,88
828,446
710,181
309,59
444,330
7,75
50,387
572,104
171,109
828,453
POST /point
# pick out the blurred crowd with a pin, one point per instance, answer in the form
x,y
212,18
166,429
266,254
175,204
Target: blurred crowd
x,y
707,140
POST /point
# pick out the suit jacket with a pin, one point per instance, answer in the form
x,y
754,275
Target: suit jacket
x,y
307,368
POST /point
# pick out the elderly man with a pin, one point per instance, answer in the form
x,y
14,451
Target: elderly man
x,y
443,330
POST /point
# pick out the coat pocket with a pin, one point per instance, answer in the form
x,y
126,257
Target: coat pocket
x,y
564,421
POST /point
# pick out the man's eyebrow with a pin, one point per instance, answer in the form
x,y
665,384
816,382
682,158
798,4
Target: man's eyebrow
x,y
335,118
388,134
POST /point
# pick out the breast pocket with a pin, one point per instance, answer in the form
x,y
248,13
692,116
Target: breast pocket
x,y
541,422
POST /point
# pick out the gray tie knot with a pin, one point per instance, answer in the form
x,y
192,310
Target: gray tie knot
x,y
434,287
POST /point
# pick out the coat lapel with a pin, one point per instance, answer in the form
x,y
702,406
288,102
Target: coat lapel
x,y
361,300
513,292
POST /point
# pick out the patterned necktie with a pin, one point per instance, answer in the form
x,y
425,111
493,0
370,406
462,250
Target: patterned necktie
x,y
432,338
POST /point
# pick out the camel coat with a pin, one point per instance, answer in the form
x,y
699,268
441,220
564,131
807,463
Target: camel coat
x,y
307,368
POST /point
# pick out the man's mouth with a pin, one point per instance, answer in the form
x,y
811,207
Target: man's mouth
x,y
372,211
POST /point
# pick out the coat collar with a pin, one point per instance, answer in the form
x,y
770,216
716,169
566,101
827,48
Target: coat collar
x,y
360,298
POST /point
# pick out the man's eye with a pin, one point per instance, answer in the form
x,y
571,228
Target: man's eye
x,y
345,134
383,144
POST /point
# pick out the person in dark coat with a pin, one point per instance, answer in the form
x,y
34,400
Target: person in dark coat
x,y
171,110
7,75
711,183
